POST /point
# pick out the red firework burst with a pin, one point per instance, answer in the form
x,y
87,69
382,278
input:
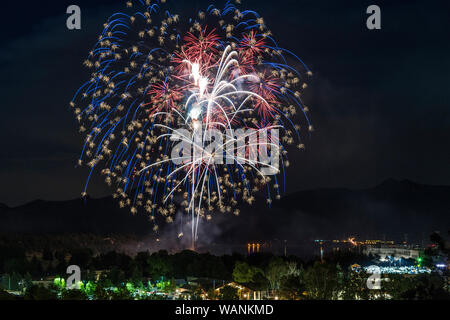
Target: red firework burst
x,y
267,86
163,98
246,66
201,49
250,45
203,43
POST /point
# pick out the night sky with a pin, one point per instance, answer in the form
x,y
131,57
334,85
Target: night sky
x,y
379,99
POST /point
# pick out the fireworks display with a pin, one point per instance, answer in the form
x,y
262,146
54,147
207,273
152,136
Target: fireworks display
x,y
155,72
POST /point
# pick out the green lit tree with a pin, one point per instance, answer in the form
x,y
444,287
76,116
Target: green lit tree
x,y
136,277
275,271
321,281
354,286
159,266
242,272
100,292
27,281
73,294
172,287
121,293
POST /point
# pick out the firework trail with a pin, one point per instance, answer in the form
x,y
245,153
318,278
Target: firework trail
x,y
154,73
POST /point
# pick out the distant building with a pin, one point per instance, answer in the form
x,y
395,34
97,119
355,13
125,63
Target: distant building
x,y
376,242
392,251
46,281
253,248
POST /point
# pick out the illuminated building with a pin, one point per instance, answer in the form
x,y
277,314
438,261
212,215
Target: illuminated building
x,y
253,248
392,251
401,270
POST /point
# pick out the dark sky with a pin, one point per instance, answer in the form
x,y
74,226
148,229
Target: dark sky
x,y
379,99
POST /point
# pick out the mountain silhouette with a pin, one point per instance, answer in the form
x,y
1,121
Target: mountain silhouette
x,y
392,209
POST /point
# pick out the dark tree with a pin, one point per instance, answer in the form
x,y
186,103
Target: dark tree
x,y
6,296
159,265
229,293
73,295
39,292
